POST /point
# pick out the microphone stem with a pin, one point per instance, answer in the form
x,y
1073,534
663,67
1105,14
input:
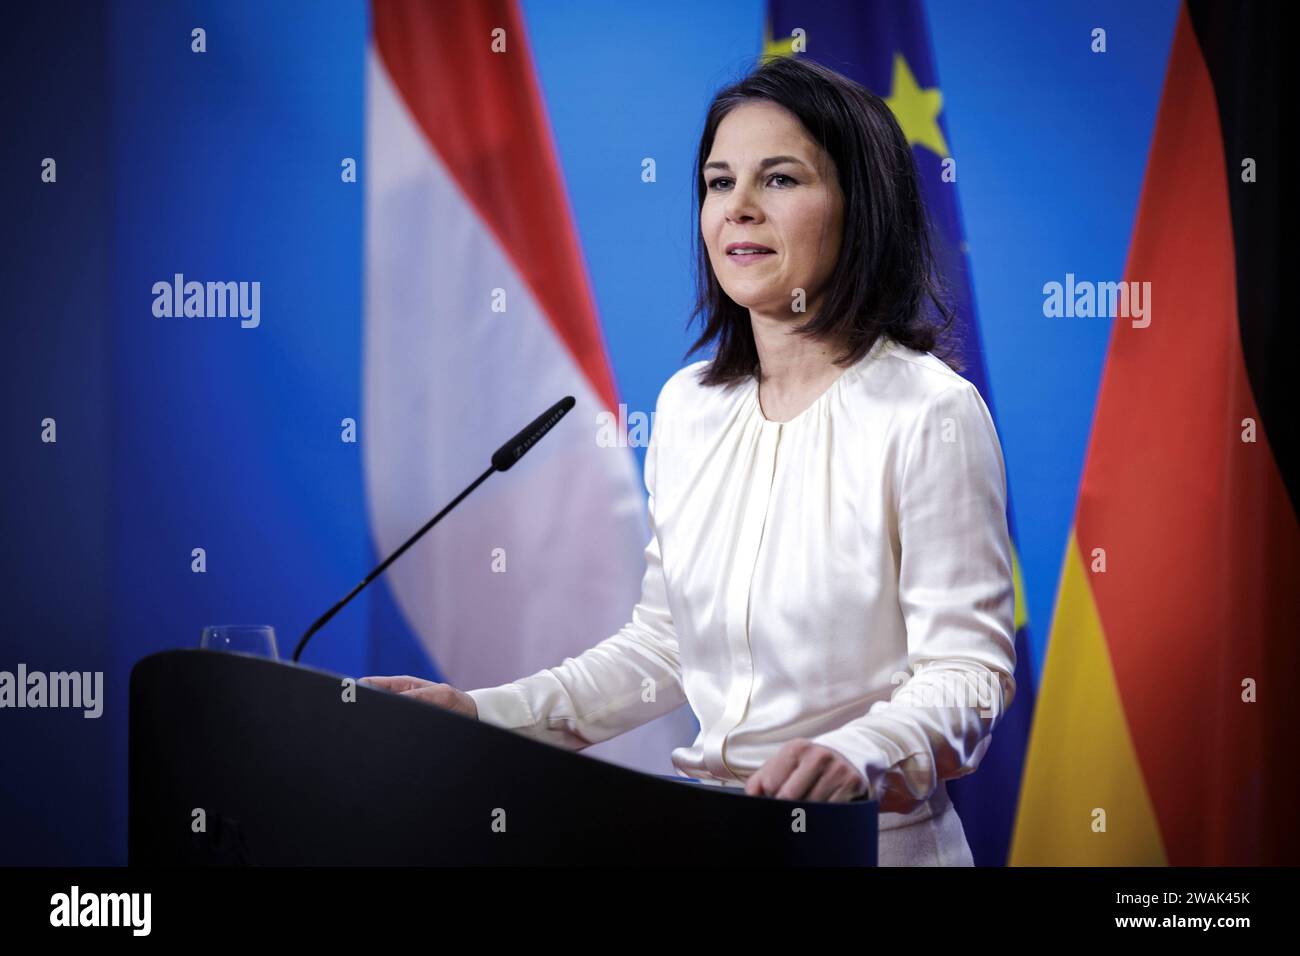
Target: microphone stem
x,y
325,618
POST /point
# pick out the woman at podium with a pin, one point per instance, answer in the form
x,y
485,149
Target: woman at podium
x,y
828,579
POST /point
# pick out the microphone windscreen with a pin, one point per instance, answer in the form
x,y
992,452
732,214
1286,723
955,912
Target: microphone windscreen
x,y
514,449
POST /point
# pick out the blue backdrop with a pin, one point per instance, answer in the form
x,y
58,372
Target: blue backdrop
x,y
175,434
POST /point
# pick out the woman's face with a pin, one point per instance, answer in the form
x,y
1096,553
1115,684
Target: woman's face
x,y
793,207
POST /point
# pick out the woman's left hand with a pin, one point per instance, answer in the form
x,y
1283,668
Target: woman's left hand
x,y
803,770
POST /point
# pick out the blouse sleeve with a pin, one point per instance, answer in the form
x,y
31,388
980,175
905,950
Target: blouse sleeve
x,y
627,680
957,597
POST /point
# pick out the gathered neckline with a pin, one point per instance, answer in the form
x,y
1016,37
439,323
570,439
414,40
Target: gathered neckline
x,y
876,349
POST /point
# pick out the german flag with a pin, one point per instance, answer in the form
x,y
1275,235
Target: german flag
x,y
1171,692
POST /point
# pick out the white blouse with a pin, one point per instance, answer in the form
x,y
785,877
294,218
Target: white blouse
x,y
843,577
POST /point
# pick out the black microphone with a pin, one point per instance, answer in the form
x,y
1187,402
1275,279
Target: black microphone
x,y
503,460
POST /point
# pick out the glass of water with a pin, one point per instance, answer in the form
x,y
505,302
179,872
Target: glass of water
x,y
257,639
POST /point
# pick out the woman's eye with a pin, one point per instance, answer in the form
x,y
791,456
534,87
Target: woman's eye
x,y
713,184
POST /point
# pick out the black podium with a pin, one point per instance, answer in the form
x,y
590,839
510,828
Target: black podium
x,y
247,761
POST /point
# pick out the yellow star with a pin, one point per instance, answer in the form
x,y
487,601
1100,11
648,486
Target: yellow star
x,y
782,47
917,110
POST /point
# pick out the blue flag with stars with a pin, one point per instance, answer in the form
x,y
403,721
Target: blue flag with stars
x,y
885,46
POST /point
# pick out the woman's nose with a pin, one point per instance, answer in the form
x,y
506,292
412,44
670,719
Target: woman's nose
x,y
741,202
741,210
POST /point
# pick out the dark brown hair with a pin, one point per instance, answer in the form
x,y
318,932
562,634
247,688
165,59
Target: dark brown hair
x,y
886,270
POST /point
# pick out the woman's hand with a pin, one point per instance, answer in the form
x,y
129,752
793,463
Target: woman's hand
x,y
416,688
803,770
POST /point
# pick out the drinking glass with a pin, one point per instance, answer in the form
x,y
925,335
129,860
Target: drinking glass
x,y
257,639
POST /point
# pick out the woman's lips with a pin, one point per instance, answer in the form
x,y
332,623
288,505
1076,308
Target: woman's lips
x,y
748,259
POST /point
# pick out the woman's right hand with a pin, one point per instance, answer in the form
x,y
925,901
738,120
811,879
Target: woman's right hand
x,y
440,695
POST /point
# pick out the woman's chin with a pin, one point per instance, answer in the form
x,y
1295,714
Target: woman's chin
x,y
748,297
